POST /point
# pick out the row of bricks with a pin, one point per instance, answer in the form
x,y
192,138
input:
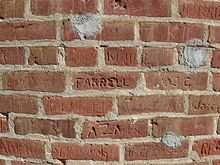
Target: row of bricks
x,y
51,81
114,129
160,8
111,31
26,148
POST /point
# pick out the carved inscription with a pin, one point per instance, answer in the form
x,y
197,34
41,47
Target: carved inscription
x,y
204,104
176,80
206,10
121,56
115,129
105,81
207,147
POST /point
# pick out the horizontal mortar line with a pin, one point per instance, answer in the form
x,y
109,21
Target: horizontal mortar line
x,y
110,93
103,69
60,17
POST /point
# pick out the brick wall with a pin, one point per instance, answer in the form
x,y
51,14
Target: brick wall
x,y
109,82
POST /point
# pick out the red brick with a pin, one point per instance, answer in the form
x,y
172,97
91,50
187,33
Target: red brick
x,y
3,124
215,63
22,148
170,32
207,147
43,56
216,162
216,81
105,81
77,57
205,104
2,162
74,151
154,150
176,80
35,81
85,106
47,7
183,126
150,104
199,9
12,55
63,128
11,9
150,8
115,129
69,33
32,30
121,56
214,36
194,163
18,104
152,57
117,30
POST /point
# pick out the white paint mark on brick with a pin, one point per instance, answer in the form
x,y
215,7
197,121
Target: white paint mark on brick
x,y
86,25
171,139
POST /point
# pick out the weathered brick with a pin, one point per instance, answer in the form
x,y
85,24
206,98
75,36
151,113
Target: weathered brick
x,y
79,57
85,106
11,9
74,151
199,9
215,63
218,129
34,80
151,8
105,81
69,32
22,148
121,56
216,81
152,57
3,124
176,80
63,128
170,32
47,7
194,163
204,104
12,55
183,126
115,129
214,36
154,150
216,162
150,104
14,162
31,30
207,147
43,56
18,104
2,162
117,30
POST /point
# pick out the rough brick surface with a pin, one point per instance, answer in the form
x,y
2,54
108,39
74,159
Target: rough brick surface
x,y
18,104
85,152
63,128
22,148
43,56
150,104
86,106
170,32
115,129
109,82
152,57
36,81
14,55
176,80
183,126
153,151
151,8
79,57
